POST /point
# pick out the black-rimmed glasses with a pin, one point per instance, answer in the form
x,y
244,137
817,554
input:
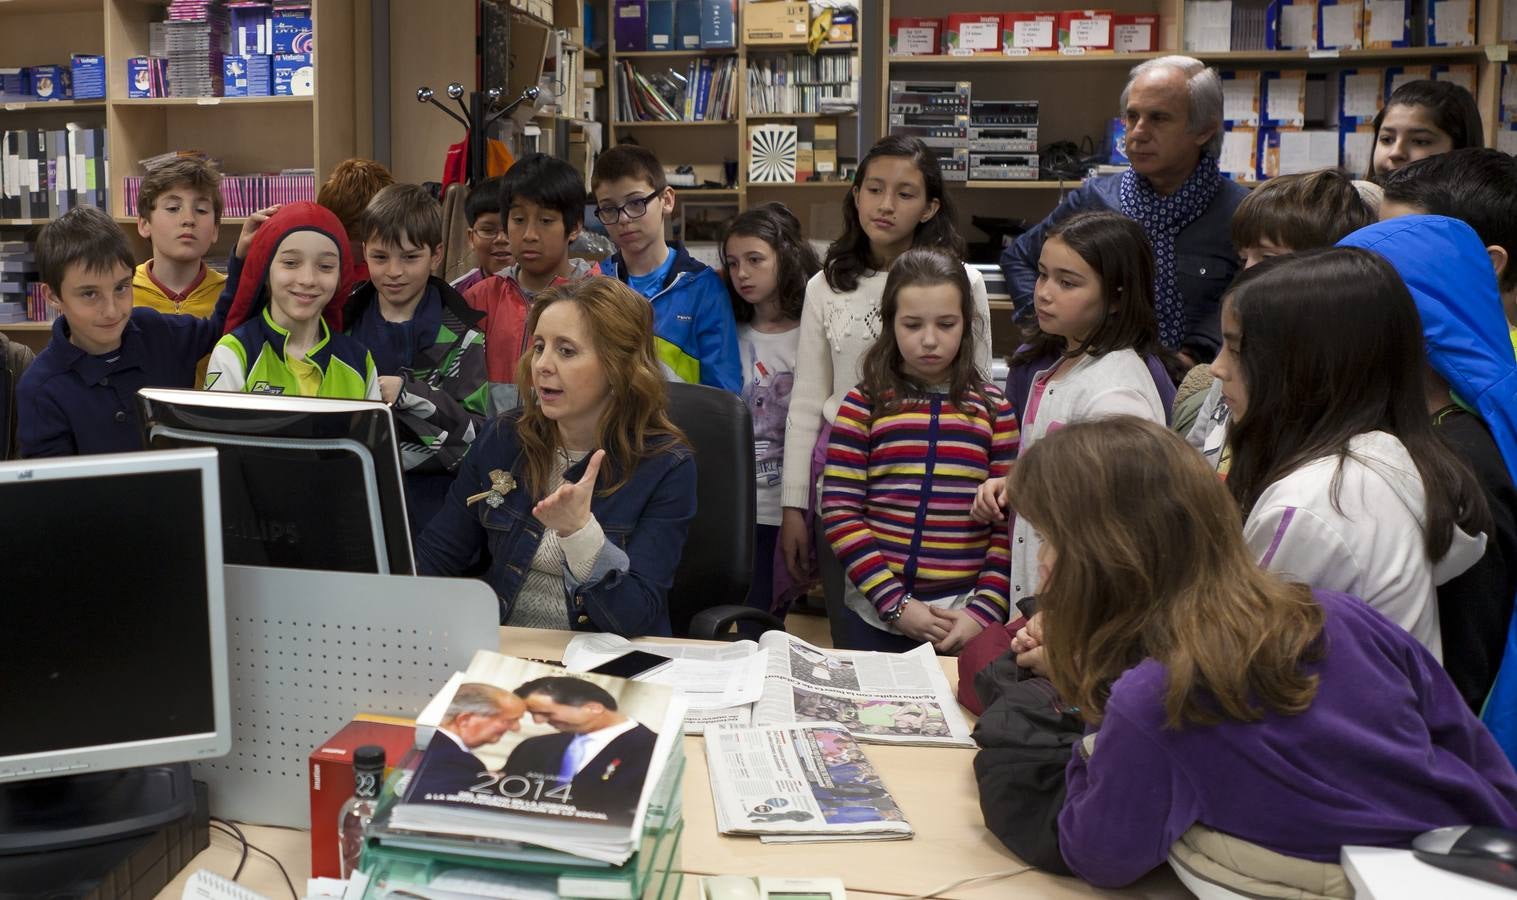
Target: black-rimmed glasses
x,y
635,208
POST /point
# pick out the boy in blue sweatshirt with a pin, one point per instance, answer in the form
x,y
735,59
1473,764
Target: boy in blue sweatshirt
x,y
694,332
80,396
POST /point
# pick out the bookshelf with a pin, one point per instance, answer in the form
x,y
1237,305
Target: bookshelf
x,y
250,134
1078,94
710,146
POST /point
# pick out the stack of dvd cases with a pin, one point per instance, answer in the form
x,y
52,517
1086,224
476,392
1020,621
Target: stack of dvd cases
x,y
195,39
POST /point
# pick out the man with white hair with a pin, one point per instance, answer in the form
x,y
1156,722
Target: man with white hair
x,y
1173,110
479,715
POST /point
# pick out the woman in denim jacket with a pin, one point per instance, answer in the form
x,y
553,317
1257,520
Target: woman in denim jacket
x,y
581,498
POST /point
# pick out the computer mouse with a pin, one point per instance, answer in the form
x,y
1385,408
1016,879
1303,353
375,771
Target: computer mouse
x,y
1489,854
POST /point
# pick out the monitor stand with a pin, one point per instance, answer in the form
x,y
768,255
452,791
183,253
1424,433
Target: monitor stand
x,y
76,810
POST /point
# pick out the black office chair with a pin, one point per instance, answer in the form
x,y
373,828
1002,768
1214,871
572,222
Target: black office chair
x,y
711,583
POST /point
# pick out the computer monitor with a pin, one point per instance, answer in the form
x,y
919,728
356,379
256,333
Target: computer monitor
x,y
306,483
115,658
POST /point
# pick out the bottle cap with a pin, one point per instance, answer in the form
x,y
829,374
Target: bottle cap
x,y
369,756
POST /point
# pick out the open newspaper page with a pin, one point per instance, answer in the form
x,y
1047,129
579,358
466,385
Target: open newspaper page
x,y
798,783
719,683
882,698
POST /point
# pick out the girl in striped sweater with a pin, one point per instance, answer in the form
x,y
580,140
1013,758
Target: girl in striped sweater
x,y
910,446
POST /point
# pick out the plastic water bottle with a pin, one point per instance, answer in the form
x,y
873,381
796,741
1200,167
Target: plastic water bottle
x,y
353,821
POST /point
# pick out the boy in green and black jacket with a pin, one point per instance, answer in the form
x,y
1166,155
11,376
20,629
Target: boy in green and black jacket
x,y
428,344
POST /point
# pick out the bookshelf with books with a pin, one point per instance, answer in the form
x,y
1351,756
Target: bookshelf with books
x,y
40,33
251,135
1077,89
700,96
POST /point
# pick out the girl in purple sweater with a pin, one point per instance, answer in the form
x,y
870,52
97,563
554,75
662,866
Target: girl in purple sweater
x,y
1218,694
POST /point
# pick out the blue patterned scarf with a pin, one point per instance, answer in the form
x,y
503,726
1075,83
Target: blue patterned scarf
x,y
1162,219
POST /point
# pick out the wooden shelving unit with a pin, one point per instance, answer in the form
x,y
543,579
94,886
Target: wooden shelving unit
x,y
714,144
249,134
1078,94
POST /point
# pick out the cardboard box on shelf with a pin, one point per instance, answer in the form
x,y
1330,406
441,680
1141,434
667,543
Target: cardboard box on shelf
x,y
776,22
916,37
969,33
844,27
1134,33
1030,32
825,146
805,160
293,75
293,34
1084,30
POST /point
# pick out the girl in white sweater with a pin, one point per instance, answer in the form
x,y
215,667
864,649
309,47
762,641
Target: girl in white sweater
x,y
897,202
1094,300
1343,481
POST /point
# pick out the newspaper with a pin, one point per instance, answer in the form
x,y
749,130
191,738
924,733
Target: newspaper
x,y
796,783
886,698
719,683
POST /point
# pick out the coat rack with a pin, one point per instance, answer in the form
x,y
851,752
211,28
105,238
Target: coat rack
x,y
477,116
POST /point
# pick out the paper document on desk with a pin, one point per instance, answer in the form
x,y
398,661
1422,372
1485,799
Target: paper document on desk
x,y
884,698
723,680
805,782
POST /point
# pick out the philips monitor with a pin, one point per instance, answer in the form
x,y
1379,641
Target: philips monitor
x,y
306,483
115,659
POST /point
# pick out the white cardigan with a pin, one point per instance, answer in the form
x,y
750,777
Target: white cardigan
x,y
836,330
1093,387
1371,545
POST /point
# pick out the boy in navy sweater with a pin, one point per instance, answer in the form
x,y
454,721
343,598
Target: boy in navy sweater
x,y
80,394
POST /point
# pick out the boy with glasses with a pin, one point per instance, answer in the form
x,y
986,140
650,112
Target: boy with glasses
x,y
487,234
695,334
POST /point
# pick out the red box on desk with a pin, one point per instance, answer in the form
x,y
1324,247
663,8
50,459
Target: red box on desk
x,y
972,33
916,37
1134,33
1085,30
1029,32
331,774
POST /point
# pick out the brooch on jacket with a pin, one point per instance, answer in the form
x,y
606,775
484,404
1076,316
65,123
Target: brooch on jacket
x,y
610,770
501,484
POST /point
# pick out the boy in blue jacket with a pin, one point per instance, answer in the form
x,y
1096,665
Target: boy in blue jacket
x,y
694,331
80,396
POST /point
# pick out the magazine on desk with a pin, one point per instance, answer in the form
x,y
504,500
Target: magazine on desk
x,y
798,783
883,698
520,751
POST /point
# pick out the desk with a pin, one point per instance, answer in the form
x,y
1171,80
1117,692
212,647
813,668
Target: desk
x,y
941,802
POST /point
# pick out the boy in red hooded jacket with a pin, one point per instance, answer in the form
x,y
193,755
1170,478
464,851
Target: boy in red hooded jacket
x,y
284,333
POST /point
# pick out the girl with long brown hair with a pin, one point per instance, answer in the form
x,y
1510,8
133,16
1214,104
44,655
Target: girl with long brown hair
x,y
1343,482
582,496
911,444
1094,302
1219,693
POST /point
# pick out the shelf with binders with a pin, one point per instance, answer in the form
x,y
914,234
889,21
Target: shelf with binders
x,y
675,54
